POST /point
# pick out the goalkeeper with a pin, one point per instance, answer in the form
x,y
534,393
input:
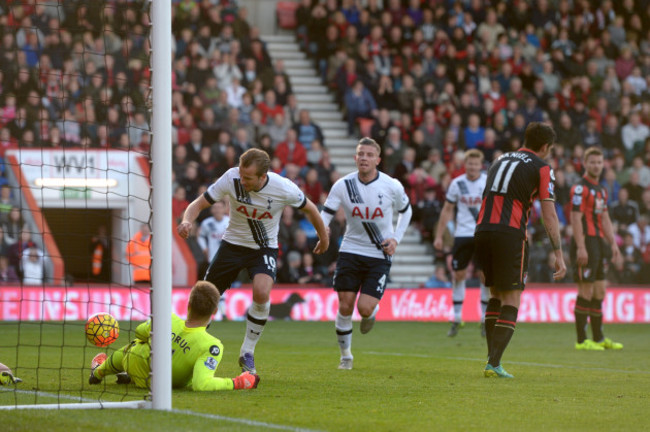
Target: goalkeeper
x,y
195,353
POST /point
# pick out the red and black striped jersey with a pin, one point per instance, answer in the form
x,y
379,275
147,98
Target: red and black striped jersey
x,y
514,181
590,199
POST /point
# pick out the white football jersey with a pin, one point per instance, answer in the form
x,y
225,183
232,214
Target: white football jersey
x,y
369,209
211,232
255,216
467,196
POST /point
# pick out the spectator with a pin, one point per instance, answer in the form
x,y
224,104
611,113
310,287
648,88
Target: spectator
x,y
291,151
640,231
268,108
6,203
359,103
138,255
312,187
632,260
439,278
633,135
308,131
179,203
433,133
8,274
642,171
33,265
277,130
633,187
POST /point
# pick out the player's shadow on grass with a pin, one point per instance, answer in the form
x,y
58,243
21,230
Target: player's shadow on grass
x,y
282,311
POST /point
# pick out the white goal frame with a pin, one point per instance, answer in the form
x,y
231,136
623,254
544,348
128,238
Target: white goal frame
x,y
161,267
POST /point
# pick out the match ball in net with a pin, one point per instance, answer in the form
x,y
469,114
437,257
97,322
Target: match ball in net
x,y
102,329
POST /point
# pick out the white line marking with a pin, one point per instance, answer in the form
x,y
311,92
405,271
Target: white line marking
x,y
49,395
523,363
246,422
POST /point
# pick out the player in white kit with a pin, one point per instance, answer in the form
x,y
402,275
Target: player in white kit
x,y
465,194
257,198
369,199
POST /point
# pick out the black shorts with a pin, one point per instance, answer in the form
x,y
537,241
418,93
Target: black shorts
x,y
354,272
597,260
230,259
503,258
462,252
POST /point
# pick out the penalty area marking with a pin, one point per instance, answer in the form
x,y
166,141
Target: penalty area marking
x,y
246,422
523,363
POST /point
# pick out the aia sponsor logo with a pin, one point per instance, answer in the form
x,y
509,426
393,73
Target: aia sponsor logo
x,y
253,213
367,213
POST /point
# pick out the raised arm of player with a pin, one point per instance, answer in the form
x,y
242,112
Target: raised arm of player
x,y
446,215
191,213
313,215
552,226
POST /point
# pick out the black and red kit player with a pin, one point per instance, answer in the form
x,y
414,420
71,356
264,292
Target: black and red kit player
x,y
593,244
514,181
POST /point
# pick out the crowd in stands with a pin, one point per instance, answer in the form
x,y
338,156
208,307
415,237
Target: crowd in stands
x,y
427,79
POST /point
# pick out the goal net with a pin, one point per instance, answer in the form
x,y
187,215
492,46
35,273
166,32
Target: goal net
x,y
76,149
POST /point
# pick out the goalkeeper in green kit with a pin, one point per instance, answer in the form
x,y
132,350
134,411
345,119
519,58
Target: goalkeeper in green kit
x,y
195,353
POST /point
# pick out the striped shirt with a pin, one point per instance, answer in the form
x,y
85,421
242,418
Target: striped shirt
x,y
255,216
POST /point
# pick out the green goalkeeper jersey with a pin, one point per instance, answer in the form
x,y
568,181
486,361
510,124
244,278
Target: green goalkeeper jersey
x,y
196,354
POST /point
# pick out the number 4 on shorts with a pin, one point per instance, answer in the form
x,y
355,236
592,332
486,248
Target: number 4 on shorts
x,y
382,284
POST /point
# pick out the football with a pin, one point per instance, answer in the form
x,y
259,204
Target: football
x,y
102,329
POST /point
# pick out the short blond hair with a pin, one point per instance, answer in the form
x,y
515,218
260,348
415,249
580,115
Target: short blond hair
x,y
370,142
592,151
474,153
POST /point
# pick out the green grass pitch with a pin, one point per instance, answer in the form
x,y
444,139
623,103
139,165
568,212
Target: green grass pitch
x,y
406,377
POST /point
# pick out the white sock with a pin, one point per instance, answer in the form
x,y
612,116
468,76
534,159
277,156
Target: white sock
x,y
485,298
343,326
374,312
258,313
458,296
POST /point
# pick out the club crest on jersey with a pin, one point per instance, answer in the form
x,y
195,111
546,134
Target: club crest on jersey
x,y
210,363
364,213
269,200
253,213
380,196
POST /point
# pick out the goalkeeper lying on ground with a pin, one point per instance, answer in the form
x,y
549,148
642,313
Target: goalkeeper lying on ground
x,y
195,353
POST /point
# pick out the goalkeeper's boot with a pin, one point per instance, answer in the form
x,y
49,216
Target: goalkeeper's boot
x,y
247,363
346,363
455,326
123,378
94,364
496,372
246,381
607,343
7,378
589,345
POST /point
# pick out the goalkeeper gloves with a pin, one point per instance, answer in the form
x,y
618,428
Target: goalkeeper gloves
x,y
246,381
7,378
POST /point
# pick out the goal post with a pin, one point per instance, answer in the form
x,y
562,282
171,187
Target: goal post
x,y
77,183
161,29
